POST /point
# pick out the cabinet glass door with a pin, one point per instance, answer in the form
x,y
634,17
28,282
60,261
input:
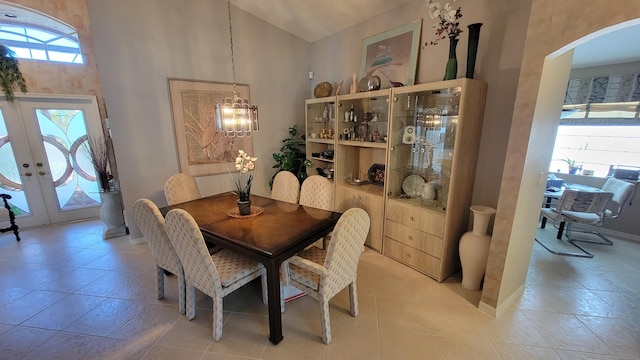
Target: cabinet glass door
x,y
422,144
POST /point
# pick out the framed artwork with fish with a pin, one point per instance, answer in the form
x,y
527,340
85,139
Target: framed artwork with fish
x,y
392,55
202,150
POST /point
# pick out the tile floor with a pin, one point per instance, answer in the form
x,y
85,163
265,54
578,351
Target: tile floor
x,y
67,294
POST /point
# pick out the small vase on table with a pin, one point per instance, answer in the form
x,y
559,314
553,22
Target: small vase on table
x,y
244,207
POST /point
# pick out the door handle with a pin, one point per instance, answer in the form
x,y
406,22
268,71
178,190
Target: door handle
x,y
27,174
39,164
42,173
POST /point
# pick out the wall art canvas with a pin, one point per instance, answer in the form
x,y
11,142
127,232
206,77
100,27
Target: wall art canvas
x,y
203,150
393,54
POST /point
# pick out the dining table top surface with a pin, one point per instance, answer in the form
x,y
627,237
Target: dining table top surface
x,y
279,226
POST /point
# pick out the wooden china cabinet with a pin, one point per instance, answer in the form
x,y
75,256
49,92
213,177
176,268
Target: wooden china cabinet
x,y
407,156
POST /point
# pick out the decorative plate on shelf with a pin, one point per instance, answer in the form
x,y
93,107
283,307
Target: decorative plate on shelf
x,y
376,174
323,89
413,185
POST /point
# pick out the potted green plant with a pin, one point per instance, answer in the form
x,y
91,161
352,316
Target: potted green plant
x,y
291,156
573,168
10,75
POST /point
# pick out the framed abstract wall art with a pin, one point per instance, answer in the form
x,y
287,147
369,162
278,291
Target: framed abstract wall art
x,y
202,150
393,54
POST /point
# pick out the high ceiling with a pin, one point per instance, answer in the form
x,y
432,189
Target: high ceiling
x,y
314,20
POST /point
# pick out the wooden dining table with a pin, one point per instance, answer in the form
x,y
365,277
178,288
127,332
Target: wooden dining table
x,y
272,233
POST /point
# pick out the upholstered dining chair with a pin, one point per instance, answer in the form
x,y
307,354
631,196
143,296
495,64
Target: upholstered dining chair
x,y
7,215
621,191
323,273
180,188
286,187
317,192
216,275
577,207
152,225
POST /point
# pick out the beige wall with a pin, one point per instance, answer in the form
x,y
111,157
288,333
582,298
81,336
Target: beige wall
x,y
553,26
59,78
142,43
502,36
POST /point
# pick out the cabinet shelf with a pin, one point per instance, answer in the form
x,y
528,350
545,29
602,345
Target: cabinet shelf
x,y
322,159
366,144
321,141
371,189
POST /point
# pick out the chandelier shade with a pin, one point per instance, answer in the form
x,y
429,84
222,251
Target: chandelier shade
x,y
235,117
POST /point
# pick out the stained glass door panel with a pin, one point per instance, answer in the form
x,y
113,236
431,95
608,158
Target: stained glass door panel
x,y
46,168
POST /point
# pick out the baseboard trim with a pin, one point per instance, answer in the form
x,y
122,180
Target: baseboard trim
x,y
137,241
510,301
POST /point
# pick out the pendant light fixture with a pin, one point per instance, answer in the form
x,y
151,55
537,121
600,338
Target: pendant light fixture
x,y
236,117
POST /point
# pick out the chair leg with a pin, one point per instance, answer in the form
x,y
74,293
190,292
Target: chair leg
x,y
263,282
605,240
182,297
353,298
217,318
326,322
191,302
583,254
160,282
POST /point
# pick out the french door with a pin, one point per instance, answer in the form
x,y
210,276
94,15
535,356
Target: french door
x,y
44,164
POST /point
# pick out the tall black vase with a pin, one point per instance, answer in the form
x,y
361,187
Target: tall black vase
x,y
472,50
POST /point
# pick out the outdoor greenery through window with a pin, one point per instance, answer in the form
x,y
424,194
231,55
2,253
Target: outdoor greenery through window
x,y
41,44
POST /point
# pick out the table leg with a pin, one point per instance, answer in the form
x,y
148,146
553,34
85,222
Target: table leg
x,y
275,314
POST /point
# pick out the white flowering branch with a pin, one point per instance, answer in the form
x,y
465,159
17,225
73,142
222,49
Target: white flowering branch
x,y
447,16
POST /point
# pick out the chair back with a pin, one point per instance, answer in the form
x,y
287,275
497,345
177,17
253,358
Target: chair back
x,y
152,225
180,188
317,192
592,202
286,187
199,269
621,192
345,248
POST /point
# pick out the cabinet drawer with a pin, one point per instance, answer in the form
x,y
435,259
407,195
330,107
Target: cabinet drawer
x,y
418,260
417,239
423,220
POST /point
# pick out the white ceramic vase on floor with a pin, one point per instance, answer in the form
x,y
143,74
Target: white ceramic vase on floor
x,y
474,248
112,216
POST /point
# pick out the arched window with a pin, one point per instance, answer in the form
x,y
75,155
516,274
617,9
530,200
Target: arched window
x,y
34,35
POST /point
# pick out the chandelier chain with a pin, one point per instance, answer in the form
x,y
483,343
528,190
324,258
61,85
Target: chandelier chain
x,y
233,63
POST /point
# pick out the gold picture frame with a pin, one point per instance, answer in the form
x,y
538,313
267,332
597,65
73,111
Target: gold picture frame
x,y
393,54
202,150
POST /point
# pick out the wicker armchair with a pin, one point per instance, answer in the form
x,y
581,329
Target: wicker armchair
x,y
323,273
150,221
180,188
6,215
216,275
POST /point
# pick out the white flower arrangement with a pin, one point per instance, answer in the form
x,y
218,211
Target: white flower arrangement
x,y
244,164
